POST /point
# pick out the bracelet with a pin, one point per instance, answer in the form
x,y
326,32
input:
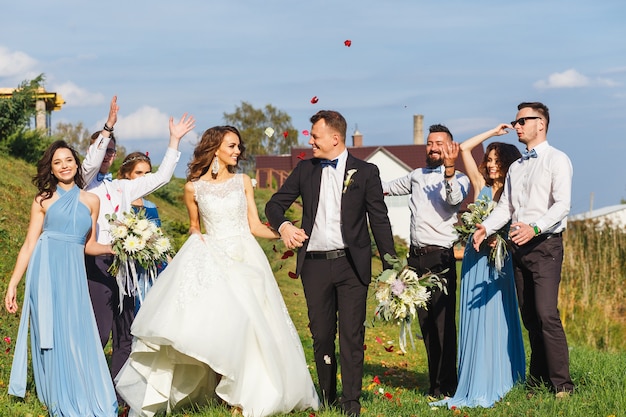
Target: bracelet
x,y
107,128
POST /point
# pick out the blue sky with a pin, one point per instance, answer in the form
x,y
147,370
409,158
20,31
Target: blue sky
x,y
460,63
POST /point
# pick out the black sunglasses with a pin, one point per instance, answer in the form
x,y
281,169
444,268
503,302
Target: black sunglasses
x,y
522,120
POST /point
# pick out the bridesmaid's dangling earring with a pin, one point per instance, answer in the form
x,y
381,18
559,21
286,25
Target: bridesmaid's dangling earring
x,y
216,166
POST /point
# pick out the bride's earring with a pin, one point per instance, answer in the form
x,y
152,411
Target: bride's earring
x,y
216,166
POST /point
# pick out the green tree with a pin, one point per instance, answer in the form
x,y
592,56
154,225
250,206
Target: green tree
x,y
77,136
252,123
16,113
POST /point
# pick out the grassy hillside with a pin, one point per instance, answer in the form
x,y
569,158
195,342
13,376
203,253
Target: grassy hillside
x,y
599,375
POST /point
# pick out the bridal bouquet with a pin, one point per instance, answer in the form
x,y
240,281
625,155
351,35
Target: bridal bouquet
x,y
136,242
400,292
477,213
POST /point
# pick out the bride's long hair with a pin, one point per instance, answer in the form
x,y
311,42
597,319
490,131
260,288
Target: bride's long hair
x,y
205,151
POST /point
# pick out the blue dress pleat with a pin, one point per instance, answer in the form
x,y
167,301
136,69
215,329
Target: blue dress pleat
x,y
71,373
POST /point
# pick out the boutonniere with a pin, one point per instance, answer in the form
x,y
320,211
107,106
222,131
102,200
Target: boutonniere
x,y
348,180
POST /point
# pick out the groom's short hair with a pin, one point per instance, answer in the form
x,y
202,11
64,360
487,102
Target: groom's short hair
x,y
334,119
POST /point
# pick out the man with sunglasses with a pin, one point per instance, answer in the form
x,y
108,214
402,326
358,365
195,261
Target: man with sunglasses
x,y
536,198
115,311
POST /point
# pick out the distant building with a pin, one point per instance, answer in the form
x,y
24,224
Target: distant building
x,y
393,161
614,216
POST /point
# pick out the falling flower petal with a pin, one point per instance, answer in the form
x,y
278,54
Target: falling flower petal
x,y
305,132
269,132
285,134
117,208
301,156
314,100
379,340
292,275
108,196
347,42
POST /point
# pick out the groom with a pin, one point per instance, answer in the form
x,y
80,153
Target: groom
x,y
340,193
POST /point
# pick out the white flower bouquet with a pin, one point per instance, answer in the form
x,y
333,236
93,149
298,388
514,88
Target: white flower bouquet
x,y
400,292
136,241
477,213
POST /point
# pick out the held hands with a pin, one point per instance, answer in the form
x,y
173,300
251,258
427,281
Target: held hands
x,y
292,236
521,233
180,129
478,236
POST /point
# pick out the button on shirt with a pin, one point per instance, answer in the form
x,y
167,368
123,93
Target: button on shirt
x,y
537,190
116,196
434,204
326,233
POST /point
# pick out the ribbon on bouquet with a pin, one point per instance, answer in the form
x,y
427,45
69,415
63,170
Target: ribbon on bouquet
x,y
405,327
129,283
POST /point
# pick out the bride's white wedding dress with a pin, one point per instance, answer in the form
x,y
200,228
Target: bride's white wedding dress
x,y
215,323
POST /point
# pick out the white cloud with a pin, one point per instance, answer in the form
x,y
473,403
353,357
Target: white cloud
x,y
573,79
76,96
15,64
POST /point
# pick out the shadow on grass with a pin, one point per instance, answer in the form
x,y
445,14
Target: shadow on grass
x,y
398,376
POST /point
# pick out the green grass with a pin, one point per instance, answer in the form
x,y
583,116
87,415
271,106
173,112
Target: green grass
x,y
599,374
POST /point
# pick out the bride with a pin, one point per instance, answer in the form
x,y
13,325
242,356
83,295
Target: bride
x,y
215,326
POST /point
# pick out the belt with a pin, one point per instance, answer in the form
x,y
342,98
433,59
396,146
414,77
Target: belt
x,y
330,254
423,250
546,236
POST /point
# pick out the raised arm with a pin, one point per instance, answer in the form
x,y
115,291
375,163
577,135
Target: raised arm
x,y
471,169
97,150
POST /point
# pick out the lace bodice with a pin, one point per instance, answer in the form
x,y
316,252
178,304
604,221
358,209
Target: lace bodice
x,y
223,207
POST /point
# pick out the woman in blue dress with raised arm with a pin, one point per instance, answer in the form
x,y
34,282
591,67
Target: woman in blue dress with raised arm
x,y
71,373
491,350
135,165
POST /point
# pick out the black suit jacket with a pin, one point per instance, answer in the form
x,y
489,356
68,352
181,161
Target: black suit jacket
x,y
362,200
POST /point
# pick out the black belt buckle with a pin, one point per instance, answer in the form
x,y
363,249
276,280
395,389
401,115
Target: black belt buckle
x,y
421,251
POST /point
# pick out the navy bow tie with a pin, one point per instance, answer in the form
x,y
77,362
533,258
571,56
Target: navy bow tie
x,y
108,176
438,169
527,155
328,163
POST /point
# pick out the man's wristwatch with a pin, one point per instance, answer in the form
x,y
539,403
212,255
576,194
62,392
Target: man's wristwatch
x,y
535,228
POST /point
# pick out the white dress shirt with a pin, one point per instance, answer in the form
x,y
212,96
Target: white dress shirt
x,y
537,190
117,196
434,204
93,160
326,234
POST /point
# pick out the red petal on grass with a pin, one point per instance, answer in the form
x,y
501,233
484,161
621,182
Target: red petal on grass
x,y
312,415
274,248
379,340
301,156
347,42
285,134
280,267
377,379
305,132
388,395
8,350
292,275
287,254
7,339
314,100
389,349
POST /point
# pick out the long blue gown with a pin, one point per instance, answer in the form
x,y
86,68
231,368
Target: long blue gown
x,y
491,349
71,373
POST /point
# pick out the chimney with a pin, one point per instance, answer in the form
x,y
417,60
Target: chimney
x,y
418,129
357,139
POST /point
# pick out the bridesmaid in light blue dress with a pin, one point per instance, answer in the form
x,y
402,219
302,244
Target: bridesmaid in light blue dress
x,y
491,349
70,371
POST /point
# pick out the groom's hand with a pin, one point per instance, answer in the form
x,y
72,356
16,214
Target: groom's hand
x,y
292,236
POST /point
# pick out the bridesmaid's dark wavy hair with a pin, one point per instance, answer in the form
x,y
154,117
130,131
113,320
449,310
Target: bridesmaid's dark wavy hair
x,y
506,154
45,181
205,151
